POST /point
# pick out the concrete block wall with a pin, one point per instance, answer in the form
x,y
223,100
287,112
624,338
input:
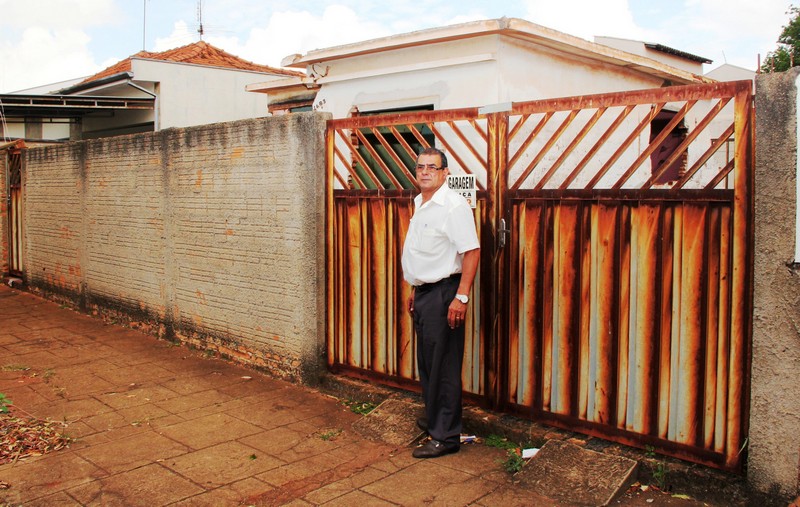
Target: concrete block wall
x,y
774,436
213,235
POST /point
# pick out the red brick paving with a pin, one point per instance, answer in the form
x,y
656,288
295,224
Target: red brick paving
x,y
155,424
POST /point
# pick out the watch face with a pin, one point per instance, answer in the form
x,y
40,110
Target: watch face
x,y
462,298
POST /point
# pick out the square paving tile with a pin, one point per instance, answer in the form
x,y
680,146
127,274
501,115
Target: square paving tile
x,y
209,430
222,464
208,400
45,475
431,481
237,493
147,486
134,451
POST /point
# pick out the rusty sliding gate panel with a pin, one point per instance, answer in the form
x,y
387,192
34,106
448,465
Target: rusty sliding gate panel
x,y
14,200
370,165
621,305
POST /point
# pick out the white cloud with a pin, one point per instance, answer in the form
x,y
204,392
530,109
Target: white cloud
x,y
586,18
180,36
736,30
722,30
290,32
61,14
45,56
47,42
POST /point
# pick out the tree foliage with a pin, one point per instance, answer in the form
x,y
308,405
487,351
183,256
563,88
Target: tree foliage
x,y
787,55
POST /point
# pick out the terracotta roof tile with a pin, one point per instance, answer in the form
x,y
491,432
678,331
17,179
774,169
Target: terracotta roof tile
x,y
198,53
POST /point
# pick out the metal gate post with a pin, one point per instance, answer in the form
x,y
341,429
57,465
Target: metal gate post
x,y
494,265
742,285
330,248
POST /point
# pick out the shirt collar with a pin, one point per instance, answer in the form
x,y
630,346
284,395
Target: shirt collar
x,y
438,196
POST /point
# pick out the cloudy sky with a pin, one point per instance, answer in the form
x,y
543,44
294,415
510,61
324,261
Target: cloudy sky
x,y
47,41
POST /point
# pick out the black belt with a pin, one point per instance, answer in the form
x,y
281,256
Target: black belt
x,y
428,286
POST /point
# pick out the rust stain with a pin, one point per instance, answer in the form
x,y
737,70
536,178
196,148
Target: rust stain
x,y
229,232
237,153
198,182
201,297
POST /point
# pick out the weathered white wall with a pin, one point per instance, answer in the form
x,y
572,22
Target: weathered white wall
x,y
466,73
196,95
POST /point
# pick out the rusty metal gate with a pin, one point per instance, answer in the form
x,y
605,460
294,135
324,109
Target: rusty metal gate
x,y
14,202
621,303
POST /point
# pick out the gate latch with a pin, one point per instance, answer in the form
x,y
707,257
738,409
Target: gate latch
x,y
502,233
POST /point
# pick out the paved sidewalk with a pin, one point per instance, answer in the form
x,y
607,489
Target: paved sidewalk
x,y
156,424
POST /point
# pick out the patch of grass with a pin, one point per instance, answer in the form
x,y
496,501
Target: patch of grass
x,y
360,407
330,434
252,457
660,475
500,442
658,469
513,462
5,403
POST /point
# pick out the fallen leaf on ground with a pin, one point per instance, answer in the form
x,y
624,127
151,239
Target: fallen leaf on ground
x,y
22,437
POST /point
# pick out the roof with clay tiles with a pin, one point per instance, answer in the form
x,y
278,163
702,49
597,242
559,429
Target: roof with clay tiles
x,y
198,53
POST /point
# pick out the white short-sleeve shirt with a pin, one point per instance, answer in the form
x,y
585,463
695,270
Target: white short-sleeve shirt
x,y
440,231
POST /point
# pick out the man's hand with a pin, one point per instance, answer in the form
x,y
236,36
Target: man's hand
x,y
411,303
456,314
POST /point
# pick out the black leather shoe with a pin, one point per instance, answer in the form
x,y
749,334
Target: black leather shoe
x,y
434,449
422,423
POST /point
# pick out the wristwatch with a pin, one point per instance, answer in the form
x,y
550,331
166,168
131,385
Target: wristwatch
x,y
463,298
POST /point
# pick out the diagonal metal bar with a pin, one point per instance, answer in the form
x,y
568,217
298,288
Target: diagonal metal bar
x,y
403,142
655,143
656,108
680,149
479,130
722,139
349,166
518,126
549,144
453,153
377,158
395,156
597,145
722,175
338,176
542,122
467,143
418,135
568,150
357,156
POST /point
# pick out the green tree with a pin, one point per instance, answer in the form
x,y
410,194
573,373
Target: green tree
x,y
787,55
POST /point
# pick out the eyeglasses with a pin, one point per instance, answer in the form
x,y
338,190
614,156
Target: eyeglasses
x,y
429,168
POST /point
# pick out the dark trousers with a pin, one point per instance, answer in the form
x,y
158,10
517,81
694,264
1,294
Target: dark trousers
x,y
440,352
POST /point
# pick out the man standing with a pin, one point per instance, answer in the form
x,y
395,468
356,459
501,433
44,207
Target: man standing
x,y
440,259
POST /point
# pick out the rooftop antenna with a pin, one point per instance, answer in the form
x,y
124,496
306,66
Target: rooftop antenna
x,y
144,24
200,18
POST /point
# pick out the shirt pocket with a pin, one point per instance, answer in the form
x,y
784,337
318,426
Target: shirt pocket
x,y
432,240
